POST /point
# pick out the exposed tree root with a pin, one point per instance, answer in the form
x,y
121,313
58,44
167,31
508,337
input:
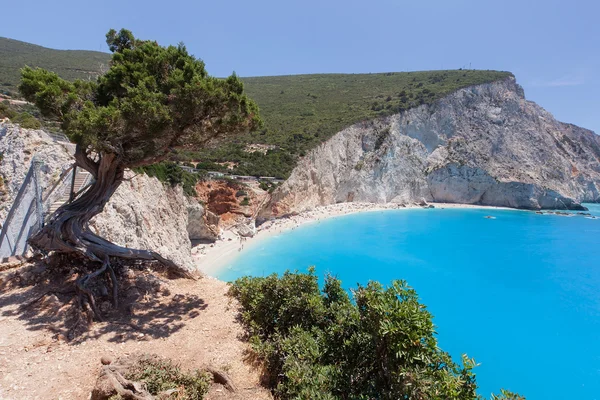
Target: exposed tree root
x,y
111,381
41,296
221,377
68,230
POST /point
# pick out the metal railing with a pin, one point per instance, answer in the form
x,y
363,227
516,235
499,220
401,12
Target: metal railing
x,y
25,216
31,207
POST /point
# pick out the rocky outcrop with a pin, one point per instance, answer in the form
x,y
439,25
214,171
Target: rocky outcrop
x,y
235,203
17,148
143,213
484,144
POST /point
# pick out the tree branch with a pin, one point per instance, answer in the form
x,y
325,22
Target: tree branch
x,y
82,160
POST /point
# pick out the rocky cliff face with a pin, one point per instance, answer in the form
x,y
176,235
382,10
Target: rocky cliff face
x,y
143,213
17,148
484,144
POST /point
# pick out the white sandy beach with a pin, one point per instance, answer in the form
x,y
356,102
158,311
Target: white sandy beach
x,y
210,258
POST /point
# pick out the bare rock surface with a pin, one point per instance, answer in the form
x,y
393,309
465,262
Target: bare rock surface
x,y
17,147
484,144
145,214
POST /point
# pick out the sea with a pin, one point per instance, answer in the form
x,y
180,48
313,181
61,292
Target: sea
x,y
516,290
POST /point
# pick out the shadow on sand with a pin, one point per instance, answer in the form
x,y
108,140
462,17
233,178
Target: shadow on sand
x,y
42,295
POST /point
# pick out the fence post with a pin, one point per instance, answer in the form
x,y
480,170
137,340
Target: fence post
x,y
37,165
72,193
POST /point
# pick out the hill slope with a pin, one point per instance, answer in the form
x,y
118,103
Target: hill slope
x,y
69,64
484,144
300,111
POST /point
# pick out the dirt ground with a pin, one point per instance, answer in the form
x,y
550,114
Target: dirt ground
x,y
191,322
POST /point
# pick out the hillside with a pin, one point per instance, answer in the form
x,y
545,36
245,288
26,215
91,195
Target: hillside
x,y
483,144
69,64
300,111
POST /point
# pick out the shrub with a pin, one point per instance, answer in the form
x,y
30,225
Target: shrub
x,y
321,344
6,111
240,193
26,121
381,136
245,202
162,375
173,174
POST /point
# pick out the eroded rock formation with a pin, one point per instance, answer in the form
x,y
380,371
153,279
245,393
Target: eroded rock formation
x,y
145,214
484,144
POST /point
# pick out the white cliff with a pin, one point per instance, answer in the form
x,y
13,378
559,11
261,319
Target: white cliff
x,y
484,144
145,214
17,148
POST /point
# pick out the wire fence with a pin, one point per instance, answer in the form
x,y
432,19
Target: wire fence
x,y
25,216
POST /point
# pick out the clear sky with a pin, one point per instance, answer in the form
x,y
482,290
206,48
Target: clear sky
x,y
551,46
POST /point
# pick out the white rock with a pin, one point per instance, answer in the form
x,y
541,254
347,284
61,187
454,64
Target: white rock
x,y
484,144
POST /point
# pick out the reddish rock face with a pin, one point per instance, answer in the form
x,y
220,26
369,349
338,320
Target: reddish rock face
x,y
222,200
234,202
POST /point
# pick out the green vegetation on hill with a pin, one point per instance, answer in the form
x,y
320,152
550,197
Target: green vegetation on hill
x,y
299,111
321,344
68,64
173,174
26,116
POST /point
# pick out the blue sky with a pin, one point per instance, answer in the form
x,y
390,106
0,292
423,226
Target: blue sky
x,y
551,46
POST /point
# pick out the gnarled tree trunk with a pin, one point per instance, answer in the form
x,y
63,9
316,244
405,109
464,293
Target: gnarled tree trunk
x,y
68,230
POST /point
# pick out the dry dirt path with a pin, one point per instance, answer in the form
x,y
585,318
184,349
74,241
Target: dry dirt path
x,y
191,322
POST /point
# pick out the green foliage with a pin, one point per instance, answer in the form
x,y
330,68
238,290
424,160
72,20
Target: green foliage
x,y
6,111
173,174
27,121
151,101
268,186
276,162
162,375
245,201
321,344
506,395
17,115
381,136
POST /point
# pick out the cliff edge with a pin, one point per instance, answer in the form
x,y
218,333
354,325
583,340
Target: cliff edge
x,y
484,144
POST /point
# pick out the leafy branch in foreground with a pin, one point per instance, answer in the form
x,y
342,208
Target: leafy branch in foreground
x,y
321,344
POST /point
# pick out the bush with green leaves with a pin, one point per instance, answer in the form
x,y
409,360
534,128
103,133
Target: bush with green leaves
x,y
322,344
26,121
173,174
162,375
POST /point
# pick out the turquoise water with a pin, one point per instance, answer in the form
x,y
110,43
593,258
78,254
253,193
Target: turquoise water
x,y
519,293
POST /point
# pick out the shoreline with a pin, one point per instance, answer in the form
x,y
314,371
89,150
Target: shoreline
x,y
210,259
